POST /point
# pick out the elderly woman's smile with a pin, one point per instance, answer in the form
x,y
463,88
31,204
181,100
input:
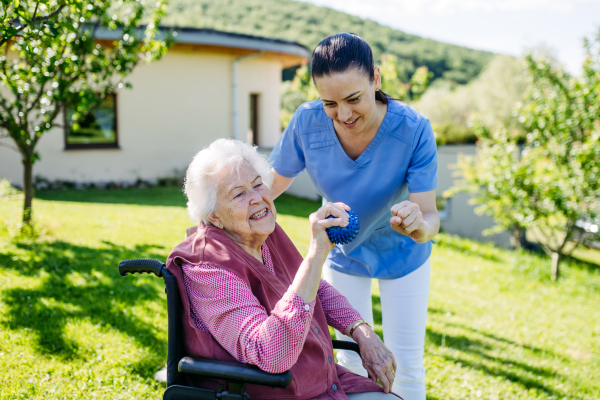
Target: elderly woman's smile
x,y
261,214
245,210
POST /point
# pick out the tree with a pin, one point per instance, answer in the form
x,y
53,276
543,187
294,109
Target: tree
x,y
492,96
296,92
392,72
420,82
391,83
50,58
551,182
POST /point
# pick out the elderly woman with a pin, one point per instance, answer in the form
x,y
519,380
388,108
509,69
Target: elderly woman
x,y
251,297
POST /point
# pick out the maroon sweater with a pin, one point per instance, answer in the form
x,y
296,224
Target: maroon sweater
x,y
315,373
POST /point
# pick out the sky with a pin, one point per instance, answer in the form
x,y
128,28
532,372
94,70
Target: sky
x,y
501,26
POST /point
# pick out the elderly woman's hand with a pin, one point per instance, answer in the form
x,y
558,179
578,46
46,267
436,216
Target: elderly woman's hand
x,y
319,222
377,359
308,278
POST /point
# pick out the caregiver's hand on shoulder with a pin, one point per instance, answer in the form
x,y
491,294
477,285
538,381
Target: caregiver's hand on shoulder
x,y
319,241
377,359
407,219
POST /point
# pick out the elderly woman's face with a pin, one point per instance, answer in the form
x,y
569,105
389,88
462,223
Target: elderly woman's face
x,y
245,209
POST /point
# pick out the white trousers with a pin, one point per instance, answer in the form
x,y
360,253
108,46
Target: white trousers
x,y
404,317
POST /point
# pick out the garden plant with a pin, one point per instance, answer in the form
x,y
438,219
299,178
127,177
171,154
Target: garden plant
x,y
550,184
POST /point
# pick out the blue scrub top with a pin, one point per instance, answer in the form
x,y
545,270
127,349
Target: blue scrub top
x,y
401,158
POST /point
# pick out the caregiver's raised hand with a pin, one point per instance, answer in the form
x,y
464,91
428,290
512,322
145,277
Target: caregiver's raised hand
x,y
407,219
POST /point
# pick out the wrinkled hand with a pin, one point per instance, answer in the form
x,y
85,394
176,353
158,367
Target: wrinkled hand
x,y
377,359
407,219
319,241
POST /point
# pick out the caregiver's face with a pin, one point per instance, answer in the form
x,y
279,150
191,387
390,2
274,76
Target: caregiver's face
x,y
245,210
349,99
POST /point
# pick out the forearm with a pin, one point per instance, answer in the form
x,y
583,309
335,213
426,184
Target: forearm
x,y
262,339
417,217
348,328
307,279
224,305
432,223
280,184
361,333
338,311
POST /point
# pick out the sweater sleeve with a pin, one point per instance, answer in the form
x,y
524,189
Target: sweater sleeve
x,y
225,306
338,311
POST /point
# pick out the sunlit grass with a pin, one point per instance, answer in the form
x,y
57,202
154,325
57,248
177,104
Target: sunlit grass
x,y
71,327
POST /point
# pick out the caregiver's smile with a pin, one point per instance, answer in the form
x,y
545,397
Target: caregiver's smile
x,y
348,99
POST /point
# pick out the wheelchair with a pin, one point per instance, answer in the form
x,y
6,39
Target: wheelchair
x,y
235,374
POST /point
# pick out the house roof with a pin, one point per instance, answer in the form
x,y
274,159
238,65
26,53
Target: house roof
x,y
211,37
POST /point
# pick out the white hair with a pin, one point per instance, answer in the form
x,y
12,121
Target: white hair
x,y
200,185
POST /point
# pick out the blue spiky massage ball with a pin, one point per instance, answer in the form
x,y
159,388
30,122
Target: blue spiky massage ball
x,y
339,235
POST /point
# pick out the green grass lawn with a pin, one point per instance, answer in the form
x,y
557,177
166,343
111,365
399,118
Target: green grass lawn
x,y
71,327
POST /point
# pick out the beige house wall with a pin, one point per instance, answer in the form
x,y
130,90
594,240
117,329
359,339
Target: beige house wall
x,y
262,77
177,106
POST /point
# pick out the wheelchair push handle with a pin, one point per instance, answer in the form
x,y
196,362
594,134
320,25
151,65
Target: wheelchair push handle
x,y
141,265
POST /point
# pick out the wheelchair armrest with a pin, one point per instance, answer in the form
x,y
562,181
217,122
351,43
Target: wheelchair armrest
x,y
233,372
344,345
142,265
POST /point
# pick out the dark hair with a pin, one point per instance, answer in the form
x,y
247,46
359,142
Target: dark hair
x,y
337,53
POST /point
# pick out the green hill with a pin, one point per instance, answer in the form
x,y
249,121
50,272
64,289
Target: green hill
x,y
308,24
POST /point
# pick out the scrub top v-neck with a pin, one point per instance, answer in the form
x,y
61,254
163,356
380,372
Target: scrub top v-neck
x,y
401,158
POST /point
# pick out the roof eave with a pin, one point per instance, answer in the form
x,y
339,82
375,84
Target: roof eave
x,y
222,39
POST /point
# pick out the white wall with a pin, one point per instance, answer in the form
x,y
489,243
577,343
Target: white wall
x,y
177,106
462,219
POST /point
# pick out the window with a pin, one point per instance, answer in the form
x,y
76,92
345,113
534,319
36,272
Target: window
x,y
253,128
96,130
443,207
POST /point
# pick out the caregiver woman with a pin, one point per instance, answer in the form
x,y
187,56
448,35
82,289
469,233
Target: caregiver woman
x,y
378,156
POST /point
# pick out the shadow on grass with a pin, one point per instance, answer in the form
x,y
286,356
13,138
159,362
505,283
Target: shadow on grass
x,y
475,354
79,283
536,350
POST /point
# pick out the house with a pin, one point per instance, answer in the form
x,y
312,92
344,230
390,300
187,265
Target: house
x,y
211,84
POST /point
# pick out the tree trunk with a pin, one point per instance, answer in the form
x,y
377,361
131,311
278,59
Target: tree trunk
x,y
556,259
516,239
27,189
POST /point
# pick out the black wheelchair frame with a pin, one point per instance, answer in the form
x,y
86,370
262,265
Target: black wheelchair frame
x,y
234,373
